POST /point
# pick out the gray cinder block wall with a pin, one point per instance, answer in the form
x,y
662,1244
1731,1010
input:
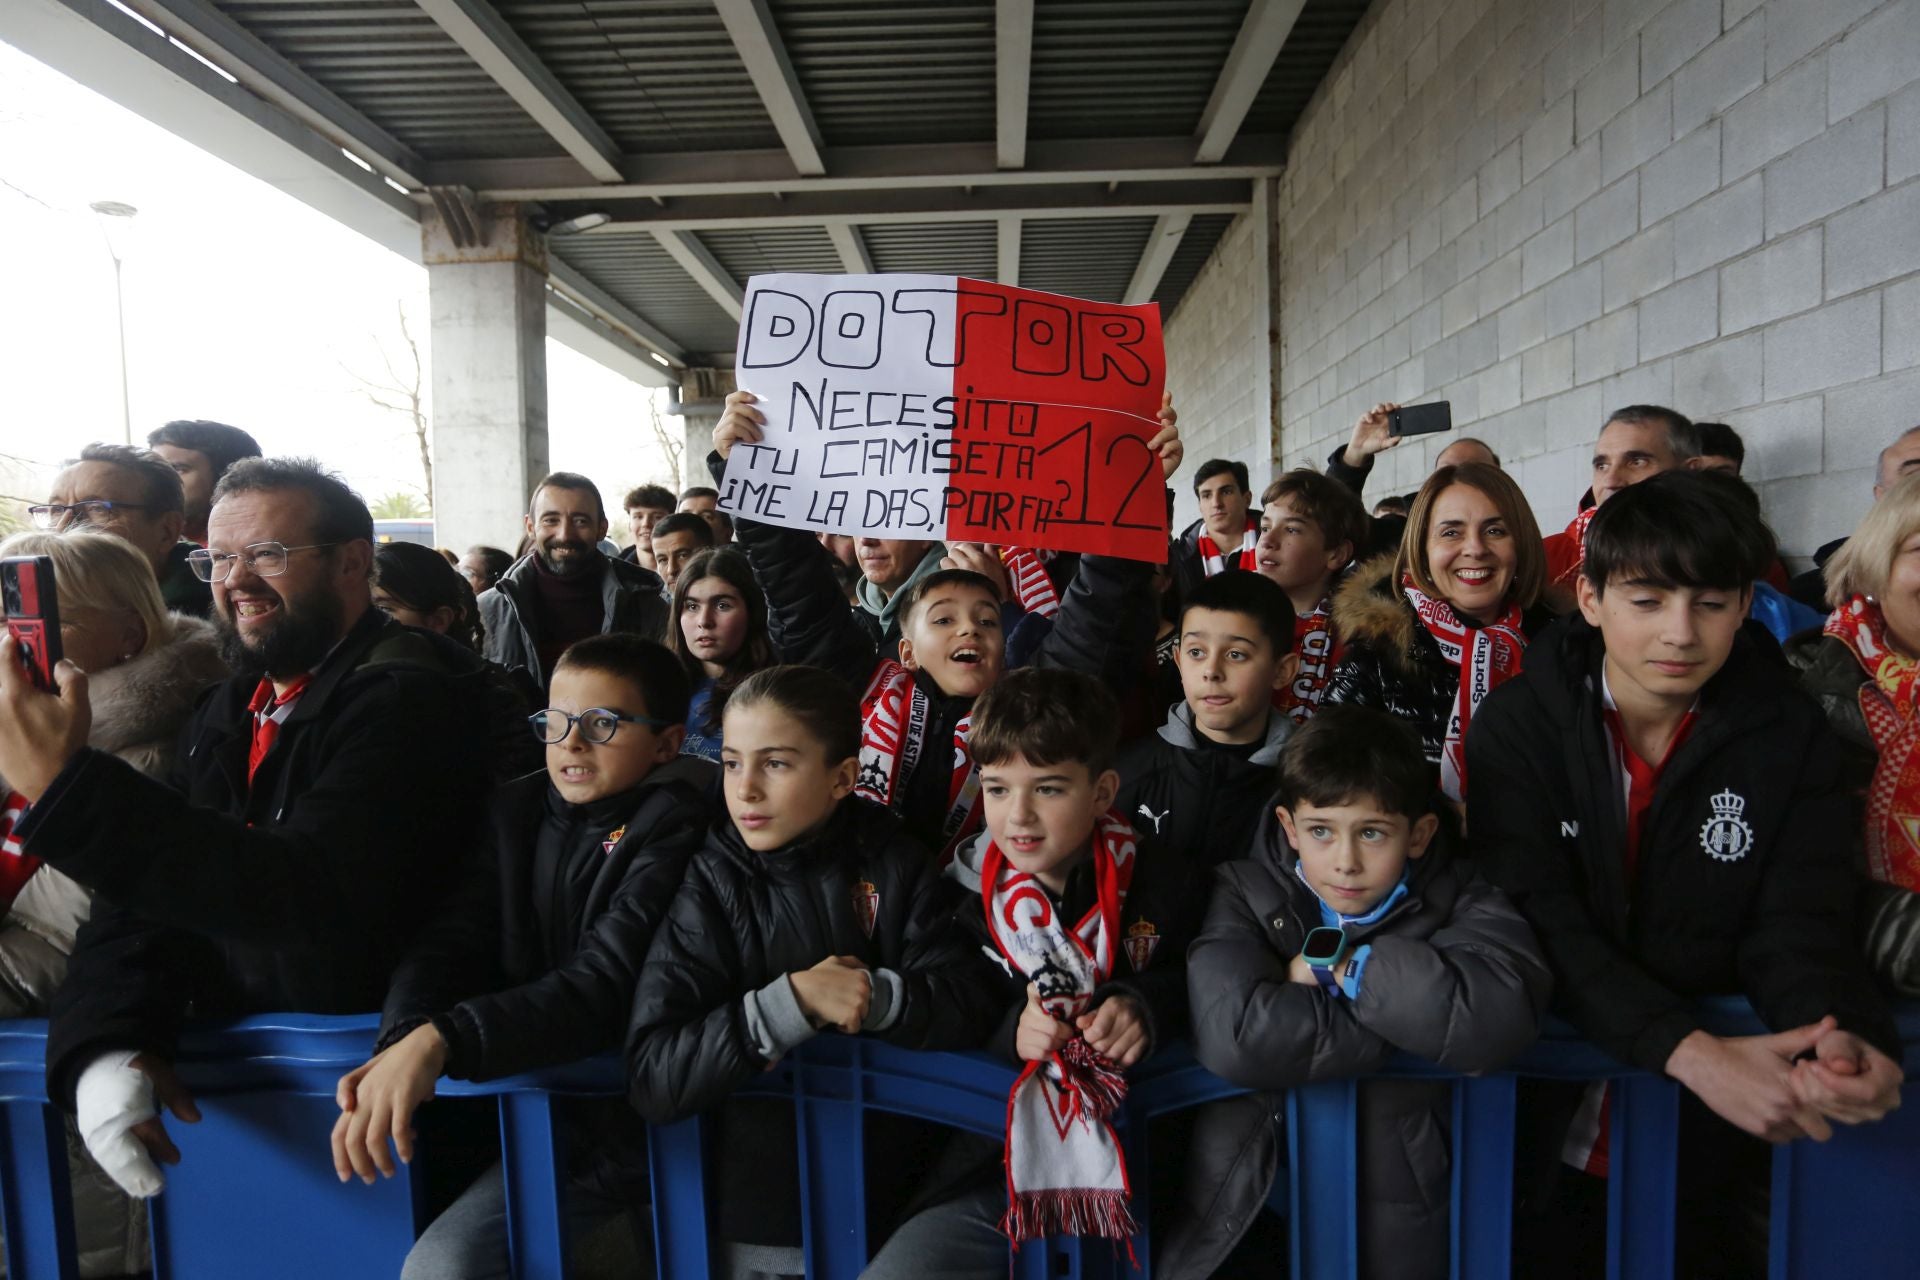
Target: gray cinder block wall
x,y
1541,209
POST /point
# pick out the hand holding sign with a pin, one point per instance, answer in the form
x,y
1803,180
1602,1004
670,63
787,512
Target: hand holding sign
x,y
944,408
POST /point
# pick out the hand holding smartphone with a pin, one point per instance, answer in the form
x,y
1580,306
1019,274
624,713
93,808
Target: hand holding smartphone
x,y
1421,419
32,607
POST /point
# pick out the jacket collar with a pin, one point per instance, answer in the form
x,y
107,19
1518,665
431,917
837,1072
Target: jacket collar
x,y
1180,731
884,608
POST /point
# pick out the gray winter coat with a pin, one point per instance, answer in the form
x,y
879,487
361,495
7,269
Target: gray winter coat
x,y
632,596
1455,976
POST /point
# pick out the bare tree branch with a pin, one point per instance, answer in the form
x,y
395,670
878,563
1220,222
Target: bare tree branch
x,y
409,391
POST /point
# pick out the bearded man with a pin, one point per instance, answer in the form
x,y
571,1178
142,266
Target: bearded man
x,y
319,800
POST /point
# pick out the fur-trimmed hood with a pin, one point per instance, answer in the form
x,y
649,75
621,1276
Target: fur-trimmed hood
x,y
1369,609
139,706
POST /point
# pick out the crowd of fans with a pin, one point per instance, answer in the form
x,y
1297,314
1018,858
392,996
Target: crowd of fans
x,y
1324,786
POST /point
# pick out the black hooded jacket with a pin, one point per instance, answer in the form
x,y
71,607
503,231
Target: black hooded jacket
x,y
1194,800
1746,880
297,893
742,920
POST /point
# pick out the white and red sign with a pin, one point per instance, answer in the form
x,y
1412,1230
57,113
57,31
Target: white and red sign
x,y
940,407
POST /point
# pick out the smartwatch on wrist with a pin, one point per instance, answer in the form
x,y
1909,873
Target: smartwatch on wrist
x,y
1323,950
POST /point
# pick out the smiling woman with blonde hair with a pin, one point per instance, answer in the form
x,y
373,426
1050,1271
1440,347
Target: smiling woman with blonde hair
x,y
1864,669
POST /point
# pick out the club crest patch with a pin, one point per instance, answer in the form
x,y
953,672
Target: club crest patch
x,y
1142,937
614,837
866,904
1726,836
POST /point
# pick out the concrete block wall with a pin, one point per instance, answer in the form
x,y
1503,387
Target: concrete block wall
x,y
1220,357
1542,209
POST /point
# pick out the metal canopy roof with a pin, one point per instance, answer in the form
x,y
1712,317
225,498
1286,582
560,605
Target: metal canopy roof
x,y
1092,147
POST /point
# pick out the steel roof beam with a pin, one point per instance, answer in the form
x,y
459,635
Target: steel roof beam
x,y
1262,33
255,64
698,261
666,176
478,28
1168,231
1012,72
851,248
757,40
568,281
592,337
1008,249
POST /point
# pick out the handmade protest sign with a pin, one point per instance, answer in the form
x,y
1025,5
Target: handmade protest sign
x,y
915,406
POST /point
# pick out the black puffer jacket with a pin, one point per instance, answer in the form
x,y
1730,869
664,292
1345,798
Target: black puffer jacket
x,y
534,959
1454,976
1391,663
1196,802
1747,879
298,893
1890,915
743,919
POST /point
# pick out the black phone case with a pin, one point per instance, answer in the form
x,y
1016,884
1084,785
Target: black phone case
x,y
1422,419
33,614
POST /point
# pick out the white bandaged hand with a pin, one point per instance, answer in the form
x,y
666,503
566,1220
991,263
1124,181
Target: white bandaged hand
x,y
112,1096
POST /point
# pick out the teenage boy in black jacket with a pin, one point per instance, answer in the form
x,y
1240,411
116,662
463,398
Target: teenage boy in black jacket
x,y
1200,785
1666,808
533,960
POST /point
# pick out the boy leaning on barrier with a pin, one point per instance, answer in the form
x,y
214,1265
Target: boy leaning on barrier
x,y
1667,809
1351,933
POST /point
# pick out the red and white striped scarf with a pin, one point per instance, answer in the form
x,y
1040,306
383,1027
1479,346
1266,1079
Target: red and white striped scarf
x,y
1066,1173
1577,530
1888,700
1313,640
16,868
893,727
1212,562
1027,568
1487,656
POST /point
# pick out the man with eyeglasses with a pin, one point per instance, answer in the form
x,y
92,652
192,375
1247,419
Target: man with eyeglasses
x,y
566,588
320,798
135,495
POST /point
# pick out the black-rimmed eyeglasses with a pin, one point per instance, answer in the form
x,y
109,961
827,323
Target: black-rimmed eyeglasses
x,y
56,515
597,724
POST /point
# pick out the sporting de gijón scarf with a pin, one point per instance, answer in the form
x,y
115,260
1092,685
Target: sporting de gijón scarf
x,y
1066,1173
1487,657
951,409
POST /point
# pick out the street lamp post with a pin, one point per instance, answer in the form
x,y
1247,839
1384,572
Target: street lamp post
x,y
115,217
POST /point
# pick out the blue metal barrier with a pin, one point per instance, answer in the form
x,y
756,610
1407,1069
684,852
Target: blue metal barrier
x,y
256,1194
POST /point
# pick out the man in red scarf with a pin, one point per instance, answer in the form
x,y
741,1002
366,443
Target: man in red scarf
x,y
1637,443
1223,537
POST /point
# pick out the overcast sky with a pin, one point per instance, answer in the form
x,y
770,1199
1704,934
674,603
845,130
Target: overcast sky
x,y
243,305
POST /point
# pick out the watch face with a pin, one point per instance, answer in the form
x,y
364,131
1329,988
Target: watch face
x,y
1323,946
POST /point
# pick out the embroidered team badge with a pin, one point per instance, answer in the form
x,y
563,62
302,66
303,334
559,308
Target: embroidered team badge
x,y
866,904
1140,942
614,837
1726,836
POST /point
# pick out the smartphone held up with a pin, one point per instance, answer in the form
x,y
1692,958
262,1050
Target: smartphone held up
x,y
32,608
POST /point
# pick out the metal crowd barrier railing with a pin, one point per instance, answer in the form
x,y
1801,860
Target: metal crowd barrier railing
x,y
256,1195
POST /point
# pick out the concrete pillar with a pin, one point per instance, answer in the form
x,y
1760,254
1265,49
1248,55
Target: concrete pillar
x,y
486,283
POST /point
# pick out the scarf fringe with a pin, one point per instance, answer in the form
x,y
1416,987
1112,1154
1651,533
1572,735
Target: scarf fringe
x,y
1093,1076
1079,1211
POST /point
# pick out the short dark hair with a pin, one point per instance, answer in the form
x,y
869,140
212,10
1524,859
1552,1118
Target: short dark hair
x,y
568,480
700,491
915,593
1699,529
1326,502
497,562
420,578
823,703
647,665
159,482
1046,716
1347,751
1220,467
223,445
684,522
1250,594
1718,440
656,497
1682,437
339,514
